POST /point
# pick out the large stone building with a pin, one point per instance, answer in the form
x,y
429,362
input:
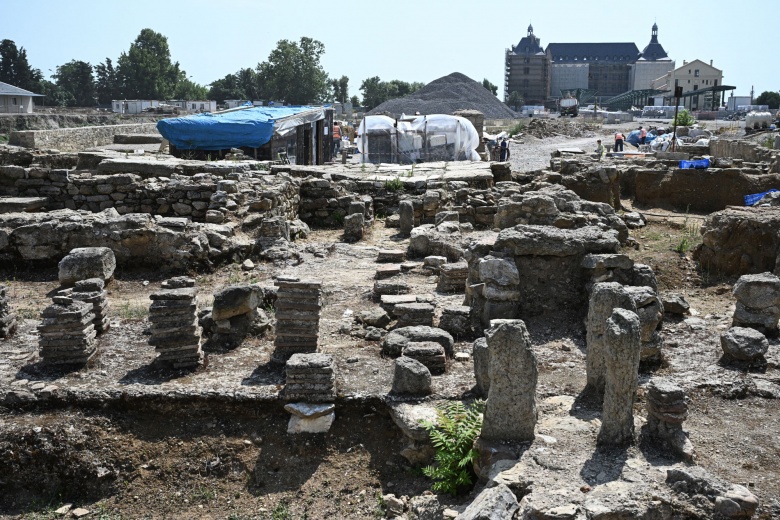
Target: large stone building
x,y
608,69
527,70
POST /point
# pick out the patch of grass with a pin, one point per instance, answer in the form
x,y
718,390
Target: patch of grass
x,y
519,127
203,494
128,310
281,512
27,313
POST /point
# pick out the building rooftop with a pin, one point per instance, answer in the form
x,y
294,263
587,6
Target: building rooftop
x,y
10,90
593,52
654,50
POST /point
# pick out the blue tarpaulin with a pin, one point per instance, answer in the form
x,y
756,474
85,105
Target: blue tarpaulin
x,y
752,199
251,128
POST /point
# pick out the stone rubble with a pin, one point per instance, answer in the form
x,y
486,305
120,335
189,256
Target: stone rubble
x,y
411,376
298,305
67,333
667,409
452,277
429,353
744,344
7,316
411,314
758,302
92,291
173,314
235,314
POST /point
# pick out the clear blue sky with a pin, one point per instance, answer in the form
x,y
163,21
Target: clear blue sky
x,y
418,40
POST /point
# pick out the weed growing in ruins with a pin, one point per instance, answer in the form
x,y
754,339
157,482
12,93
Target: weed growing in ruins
x,y
281,512
769,142
517,128
683,246
132,311
394,185
453,438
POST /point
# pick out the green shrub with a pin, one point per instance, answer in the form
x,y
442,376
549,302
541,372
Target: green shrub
x,y
453,438
684,118
394,185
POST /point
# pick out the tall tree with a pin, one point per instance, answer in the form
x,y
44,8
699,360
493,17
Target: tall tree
x,y
15,69
515,100
488,85
293,72
188,89
769,98
107,85
340,89
374,92
146,71
75,78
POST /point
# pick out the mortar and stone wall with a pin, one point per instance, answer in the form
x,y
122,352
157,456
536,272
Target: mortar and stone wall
x,y
76,139
178,195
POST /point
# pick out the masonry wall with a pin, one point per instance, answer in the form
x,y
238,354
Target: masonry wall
x,y
178,196
77,139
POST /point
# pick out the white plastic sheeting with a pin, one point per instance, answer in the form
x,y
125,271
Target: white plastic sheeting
x,y
436,137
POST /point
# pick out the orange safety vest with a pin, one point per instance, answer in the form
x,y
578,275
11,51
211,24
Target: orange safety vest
x,y
336,132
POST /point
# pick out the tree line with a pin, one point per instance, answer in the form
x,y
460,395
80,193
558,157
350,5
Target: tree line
x,y
292,74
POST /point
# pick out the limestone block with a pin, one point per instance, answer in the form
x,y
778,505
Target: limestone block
x,y
87,262
411,377
604,298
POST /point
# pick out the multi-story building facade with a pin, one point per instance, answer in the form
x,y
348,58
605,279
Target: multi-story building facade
x,y
527,70
608,69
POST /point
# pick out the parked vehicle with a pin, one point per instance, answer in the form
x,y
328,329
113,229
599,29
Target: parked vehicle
x,y
569,106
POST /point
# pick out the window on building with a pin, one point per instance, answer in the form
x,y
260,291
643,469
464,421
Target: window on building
x,y
696,87
202,106
689,71
526,70
13,101
696,73
715,82
689,82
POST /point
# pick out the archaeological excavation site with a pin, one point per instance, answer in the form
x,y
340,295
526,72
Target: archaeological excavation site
x,y
393,331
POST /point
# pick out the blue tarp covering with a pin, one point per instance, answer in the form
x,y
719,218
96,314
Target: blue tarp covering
x,y
251,128
750,200
633,137
698,164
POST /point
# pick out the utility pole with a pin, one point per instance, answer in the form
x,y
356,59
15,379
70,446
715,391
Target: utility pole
x,y
677,94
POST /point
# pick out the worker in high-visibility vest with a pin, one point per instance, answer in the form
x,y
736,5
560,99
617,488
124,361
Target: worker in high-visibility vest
x,y
336,138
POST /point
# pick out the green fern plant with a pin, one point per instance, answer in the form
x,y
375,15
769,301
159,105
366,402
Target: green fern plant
x,y
453,438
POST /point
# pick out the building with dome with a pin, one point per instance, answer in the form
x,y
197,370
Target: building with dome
x,y
606,69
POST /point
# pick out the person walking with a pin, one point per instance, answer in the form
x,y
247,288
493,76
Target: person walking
x,y
504,150
336,139
619,138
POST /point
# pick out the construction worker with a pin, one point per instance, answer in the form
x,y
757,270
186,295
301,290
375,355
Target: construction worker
x,y
336,138
599,149
642,135
619,138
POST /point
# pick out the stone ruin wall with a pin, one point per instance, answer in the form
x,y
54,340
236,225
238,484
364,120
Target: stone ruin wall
x,y
76,139
176,196
746,151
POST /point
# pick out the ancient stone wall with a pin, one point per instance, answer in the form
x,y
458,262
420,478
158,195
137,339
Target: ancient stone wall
x,y
739,241
701,190
178,195
746,151
76,139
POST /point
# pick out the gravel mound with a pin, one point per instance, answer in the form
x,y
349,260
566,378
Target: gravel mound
x,y
447,95
543,128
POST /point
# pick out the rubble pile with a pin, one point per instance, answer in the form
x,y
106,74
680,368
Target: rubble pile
x,y
543,128
429,353
176,333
